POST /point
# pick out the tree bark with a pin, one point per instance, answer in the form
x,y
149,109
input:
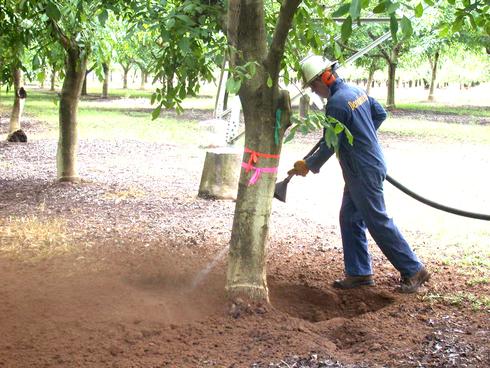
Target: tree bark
x,y
433,75
371,71
76,66
143,79
18,102
53,79
84,85
246,276
105,85
125,76
390,100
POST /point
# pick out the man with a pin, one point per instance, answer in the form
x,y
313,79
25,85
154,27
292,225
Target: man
x,y
364,170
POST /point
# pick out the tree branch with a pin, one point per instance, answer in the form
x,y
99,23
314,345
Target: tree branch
x,y
65,41
344,46
384,53
283,25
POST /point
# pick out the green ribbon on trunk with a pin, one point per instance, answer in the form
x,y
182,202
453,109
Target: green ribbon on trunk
x,y
278,126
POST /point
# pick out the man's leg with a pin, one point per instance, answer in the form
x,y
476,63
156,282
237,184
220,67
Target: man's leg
x,y
357,260
367,194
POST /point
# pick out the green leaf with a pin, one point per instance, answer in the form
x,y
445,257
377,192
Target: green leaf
x,y
392,8
331,138
233,85
337,50
184,18
338,128
429,2
393,27
184,45
291,134
355,9
41,76
349,136
346,29
406,25
380,8
342,10
36,62
444,31
103,17
419,10
52,11
252,68
153,98
156,113
269,82
457,24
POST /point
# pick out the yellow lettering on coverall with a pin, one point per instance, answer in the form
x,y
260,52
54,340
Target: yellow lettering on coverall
x,y
357,102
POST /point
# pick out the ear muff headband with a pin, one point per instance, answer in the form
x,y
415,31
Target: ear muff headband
x,y
328,78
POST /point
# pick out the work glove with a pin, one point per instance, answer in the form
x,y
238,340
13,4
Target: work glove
x,y
300,168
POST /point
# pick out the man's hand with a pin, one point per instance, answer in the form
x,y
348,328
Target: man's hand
x,y
300,168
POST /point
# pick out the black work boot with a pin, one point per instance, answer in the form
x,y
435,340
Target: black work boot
x,y
409,285
351,282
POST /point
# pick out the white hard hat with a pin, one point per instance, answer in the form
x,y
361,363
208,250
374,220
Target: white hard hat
x,y
312,66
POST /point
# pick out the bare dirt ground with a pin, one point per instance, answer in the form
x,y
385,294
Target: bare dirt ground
x,y
126,269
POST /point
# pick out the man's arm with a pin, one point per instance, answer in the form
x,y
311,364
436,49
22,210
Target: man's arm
x,y
316,161
378,113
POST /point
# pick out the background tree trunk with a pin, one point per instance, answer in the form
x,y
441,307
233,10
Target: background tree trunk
x,y
371,71
18,104
70,95
84,84
143,79
53,79
105,85
125,76
390,100
433,76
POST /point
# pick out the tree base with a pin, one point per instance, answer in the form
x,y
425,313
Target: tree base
x,y
70,179
248,293
17,136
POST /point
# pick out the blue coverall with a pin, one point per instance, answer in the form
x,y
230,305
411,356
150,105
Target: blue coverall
x,y
364,171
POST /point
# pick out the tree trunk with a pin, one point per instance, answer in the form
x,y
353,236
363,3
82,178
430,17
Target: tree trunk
x,y
390,100
105,85
43,79
433,75
370,79
84,85
143,78
76,66
18,102
125,77
246,276
53,79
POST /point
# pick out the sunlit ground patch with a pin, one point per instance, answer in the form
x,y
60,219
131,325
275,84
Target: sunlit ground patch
x,y
30,238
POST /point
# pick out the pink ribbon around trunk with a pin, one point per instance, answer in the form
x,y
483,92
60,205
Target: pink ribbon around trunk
x,y
258,171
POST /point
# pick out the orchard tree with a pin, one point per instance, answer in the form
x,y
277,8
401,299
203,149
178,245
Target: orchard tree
x,y
72,24
16,34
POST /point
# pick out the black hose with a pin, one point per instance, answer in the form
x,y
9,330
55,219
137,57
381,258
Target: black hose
x,y
439,206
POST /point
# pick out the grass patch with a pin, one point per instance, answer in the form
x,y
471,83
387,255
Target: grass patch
x,y
29,238
477,111
478,281
431,130
101,119
461,300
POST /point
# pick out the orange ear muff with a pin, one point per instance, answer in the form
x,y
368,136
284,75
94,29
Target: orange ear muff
x,y
328,78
